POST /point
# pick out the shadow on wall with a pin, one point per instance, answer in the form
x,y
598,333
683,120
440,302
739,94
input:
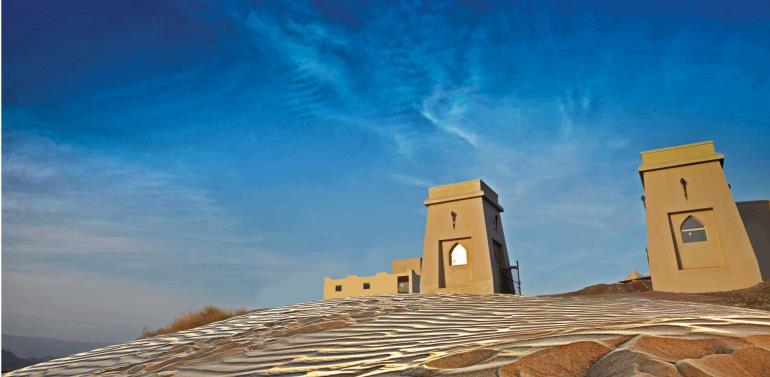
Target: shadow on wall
x,y
756,218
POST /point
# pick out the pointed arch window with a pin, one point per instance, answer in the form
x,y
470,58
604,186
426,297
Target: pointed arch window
x,y
458,256
693,230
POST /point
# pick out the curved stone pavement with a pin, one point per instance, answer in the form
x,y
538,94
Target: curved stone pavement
x,y
408,334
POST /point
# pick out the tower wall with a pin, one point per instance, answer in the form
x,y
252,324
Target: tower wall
x,y
476,226
688,182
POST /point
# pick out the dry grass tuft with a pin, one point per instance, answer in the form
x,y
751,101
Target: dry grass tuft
x,y
189,320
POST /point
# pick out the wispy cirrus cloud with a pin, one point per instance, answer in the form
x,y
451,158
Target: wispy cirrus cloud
x,y
315,76
72,213
412,181
447,111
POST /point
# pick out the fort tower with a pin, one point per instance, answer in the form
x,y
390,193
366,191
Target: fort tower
x,y
464,249
697,241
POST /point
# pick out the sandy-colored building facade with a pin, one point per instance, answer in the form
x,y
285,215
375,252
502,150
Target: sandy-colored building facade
x,y
404,277
464,250
699,238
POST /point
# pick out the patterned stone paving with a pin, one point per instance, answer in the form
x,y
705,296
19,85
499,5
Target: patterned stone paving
x,y
419,334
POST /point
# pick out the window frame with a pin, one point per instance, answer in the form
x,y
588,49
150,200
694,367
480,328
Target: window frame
x,y
452,252
693,234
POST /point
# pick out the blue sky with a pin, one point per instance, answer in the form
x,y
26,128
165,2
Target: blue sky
x,y
159,156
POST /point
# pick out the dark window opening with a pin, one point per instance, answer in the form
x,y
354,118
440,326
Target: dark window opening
x,y
403,284
693,230
338,288
366,286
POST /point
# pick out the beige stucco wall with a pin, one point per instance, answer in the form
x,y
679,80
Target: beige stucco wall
x,y
476,207
756,220
382,283
726,260
400,265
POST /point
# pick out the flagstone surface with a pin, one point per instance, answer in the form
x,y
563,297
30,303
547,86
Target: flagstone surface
x,y
480,335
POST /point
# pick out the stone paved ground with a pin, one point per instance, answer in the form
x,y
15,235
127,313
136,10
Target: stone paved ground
x,y
452,334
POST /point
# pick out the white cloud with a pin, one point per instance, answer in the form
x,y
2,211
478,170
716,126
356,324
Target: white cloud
x,y
89,202
412,181
102,237
56,303
447,111
318,75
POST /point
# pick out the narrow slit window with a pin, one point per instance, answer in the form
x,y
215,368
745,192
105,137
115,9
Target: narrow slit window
x,y
458,256
367,286
693,230
338,288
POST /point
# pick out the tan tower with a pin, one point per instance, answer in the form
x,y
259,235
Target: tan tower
x,y
464,248
697,241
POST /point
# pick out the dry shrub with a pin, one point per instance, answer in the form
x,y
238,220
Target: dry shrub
x,y
189,320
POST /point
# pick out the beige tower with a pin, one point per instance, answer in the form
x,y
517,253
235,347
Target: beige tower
x,y
464,248
697,241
